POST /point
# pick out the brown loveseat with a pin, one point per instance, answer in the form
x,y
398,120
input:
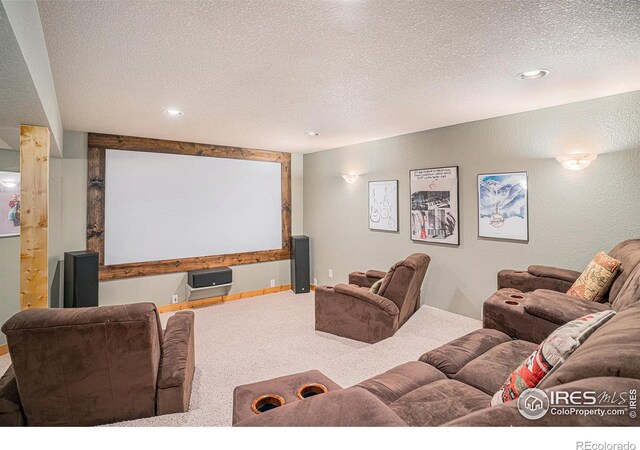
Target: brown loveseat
x,y
351,311
453,384
531,304
91,366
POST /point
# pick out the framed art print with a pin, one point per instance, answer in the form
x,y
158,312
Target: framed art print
x,y
434,205
383,205
503,211
9,204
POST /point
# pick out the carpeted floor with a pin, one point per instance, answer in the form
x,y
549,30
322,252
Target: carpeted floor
x,y
264,337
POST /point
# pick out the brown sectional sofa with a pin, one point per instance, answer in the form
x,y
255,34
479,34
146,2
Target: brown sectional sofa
x,y
91,366
453,384
531,304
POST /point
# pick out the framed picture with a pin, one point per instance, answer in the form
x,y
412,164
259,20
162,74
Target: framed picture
x,y
434,205
383,205
503,211
9,204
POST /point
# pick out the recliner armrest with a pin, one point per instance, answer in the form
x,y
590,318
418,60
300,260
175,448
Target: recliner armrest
x,y
554,272
361,294
352,407
526,281
366,279
560,308
177,365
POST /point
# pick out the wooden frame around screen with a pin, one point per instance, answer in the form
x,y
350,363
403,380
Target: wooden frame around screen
x,y
99,143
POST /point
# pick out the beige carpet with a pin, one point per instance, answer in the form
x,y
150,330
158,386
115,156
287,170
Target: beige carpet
x,y
264,337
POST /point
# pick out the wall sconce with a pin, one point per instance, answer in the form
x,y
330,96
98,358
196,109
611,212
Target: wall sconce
x,y
351,178
578,161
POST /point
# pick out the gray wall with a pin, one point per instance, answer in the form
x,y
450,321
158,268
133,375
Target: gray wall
x,y
9,255
572,214
157,289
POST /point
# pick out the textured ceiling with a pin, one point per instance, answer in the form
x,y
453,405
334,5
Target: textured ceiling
x,y
262,73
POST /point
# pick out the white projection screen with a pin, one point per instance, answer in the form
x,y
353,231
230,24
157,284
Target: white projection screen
x,y
168,206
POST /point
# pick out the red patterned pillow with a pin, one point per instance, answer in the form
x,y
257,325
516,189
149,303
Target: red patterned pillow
x,y
549,355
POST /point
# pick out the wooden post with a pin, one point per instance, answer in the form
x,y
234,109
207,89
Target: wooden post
x,y
34,216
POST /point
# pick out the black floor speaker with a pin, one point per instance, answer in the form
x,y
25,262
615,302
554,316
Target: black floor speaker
x,y
80,279
300,271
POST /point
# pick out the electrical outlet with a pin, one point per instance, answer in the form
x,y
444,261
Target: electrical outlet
x,y
315,281
273,283
330,273
174,298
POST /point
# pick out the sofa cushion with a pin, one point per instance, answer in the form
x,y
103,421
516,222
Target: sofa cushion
x,y
393,384
550,355
611,351
630,292
594,282
488,371
438,403
560,308
507,414
453,356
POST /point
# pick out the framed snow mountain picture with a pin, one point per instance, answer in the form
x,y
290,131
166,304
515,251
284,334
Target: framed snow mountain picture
x,y
503,211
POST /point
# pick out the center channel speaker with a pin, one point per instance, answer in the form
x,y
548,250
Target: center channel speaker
x,y
80,279
300,270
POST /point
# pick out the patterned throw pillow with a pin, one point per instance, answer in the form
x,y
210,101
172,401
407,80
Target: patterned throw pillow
x,y
375,287
550,355
595,281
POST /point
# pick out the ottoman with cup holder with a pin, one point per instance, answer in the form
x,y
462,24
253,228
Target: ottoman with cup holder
x,y
260,397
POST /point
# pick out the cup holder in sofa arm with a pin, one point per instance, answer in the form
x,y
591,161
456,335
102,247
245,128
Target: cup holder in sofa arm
x,y
512,303
266,402
310,389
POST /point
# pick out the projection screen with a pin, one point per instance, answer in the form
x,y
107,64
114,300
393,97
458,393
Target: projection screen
x,y
168,206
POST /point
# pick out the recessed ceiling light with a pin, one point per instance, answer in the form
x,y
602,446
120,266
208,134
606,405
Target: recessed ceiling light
x,y
312,133
533,74
173,112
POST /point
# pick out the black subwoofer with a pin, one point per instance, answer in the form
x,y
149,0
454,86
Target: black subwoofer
x,y
80,279
300,270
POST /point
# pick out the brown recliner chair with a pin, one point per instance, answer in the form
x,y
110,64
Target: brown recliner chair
x,y
530,304
351,311
91,366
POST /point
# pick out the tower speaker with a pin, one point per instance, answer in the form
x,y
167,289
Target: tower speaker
x,y
300,275
80,279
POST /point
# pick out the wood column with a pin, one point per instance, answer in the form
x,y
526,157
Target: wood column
x,y
34,216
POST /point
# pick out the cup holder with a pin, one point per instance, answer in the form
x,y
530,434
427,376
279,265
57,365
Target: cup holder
x,y
511,302
266,402
517,296
311,389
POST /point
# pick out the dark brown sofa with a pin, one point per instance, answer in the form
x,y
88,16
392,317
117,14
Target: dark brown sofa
x,y
531,304
453,384
91,366
351,311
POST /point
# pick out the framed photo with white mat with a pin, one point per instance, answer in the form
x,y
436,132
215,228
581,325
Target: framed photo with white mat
x,y
503,206
383,205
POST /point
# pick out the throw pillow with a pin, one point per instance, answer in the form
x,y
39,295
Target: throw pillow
x,y
595,281
550,355
375,287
